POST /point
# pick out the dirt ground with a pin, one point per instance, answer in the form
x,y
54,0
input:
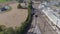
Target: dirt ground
x,y
14,17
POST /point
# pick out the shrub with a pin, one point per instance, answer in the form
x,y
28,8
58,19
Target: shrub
x,y
20,1
2,27
19,6
2,32
9,30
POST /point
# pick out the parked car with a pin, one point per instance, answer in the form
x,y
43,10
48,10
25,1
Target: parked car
x,y
3,9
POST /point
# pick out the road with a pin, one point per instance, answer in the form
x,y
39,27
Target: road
x,y
42,22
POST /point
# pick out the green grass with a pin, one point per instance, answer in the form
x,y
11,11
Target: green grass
x,y
5,0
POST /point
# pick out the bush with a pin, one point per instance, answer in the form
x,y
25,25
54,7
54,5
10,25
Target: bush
x,y
2,28
19,6
30,5
20,1
9,30
2,32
